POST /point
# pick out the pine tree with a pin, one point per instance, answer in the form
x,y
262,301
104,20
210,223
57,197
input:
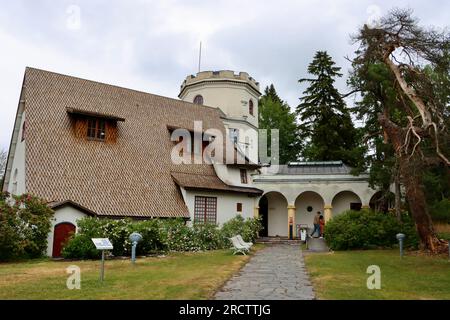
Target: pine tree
x,y
276,114
326,126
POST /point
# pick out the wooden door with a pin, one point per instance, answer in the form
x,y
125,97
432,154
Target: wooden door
x,y
60,236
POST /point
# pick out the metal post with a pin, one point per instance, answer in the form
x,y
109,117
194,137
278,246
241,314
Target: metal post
x,y
133,253
102,271
400,237
401,248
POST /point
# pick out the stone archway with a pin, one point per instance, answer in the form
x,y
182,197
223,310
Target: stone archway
x,y
273,209
344,201
307,204
382,202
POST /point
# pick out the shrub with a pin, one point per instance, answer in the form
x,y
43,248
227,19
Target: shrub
x,y
80,246
153,237
248,229
368,229
440,211
158,235
209,236
25,222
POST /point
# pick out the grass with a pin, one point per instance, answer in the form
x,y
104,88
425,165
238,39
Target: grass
x,y
443,230
176,276
342,275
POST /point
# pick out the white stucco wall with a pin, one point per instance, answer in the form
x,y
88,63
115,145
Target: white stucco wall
x,y
327,186
248,138
17,184
226,204
232,175
342,201
302,216
232,99
63,214
277,219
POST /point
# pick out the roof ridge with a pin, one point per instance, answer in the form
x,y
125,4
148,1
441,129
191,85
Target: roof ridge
x,y
120,87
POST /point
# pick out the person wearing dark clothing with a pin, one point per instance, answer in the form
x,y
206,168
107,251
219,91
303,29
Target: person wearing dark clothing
x,y
316,224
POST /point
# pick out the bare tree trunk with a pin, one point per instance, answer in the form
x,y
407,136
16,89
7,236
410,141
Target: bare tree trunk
x,y
411,173
398,204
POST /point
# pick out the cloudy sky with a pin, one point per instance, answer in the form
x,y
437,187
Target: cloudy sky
x,y
153,45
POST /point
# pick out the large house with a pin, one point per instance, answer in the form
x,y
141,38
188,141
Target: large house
x,y
93,149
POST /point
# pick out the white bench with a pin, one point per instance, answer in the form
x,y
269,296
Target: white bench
x,y
238,247
245,244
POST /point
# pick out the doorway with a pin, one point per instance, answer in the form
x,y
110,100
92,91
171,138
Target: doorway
x,y
264,213
61,234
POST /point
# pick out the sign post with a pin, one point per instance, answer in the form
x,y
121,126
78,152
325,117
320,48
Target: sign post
x,y
102,244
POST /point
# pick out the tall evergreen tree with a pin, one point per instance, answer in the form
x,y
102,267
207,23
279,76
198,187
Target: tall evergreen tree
x,y
274,113
326,126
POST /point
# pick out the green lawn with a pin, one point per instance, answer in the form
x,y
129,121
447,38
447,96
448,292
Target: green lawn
x,y
342,275
176,276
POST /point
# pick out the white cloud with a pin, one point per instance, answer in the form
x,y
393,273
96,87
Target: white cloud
x,y
152,45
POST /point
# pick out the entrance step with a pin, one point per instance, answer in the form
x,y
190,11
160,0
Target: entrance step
x,y
317,245
278,240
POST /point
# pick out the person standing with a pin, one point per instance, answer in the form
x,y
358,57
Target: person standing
x,y
322,226
316,224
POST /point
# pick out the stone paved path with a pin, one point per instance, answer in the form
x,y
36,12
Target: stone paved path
x,y
276,272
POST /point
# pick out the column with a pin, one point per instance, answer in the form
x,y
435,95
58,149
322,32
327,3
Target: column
x,y
291,221
328,212
256,212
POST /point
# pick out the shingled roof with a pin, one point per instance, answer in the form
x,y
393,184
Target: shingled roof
x,y
131,177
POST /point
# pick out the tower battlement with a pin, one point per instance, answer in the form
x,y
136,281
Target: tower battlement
x,y
221,75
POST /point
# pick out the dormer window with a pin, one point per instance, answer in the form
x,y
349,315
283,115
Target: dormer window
x,y
96,129
250,107
95,126
198,99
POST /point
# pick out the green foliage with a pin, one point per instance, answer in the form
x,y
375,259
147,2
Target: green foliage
x,y
326,125
25,222
368,230
158,236
80,246
248,229
440,211
276,114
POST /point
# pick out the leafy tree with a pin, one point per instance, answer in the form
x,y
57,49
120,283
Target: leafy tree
x,y
274,113
3,160
326,127
409,105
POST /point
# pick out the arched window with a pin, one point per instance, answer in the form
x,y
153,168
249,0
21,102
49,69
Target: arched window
x,y
198,99
250,107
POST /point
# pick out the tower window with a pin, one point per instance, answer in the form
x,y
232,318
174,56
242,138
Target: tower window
x,y
250,107
198,99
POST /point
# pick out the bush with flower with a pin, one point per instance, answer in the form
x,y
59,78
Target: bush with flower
x,y
25,222
159,235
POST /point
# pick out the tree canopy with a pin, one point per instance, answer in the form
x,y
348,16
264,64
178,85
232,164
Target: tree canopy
x,y
326,127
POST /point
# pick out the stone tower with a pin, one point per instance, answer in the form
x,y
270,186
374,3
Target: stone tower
x,y
237,96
